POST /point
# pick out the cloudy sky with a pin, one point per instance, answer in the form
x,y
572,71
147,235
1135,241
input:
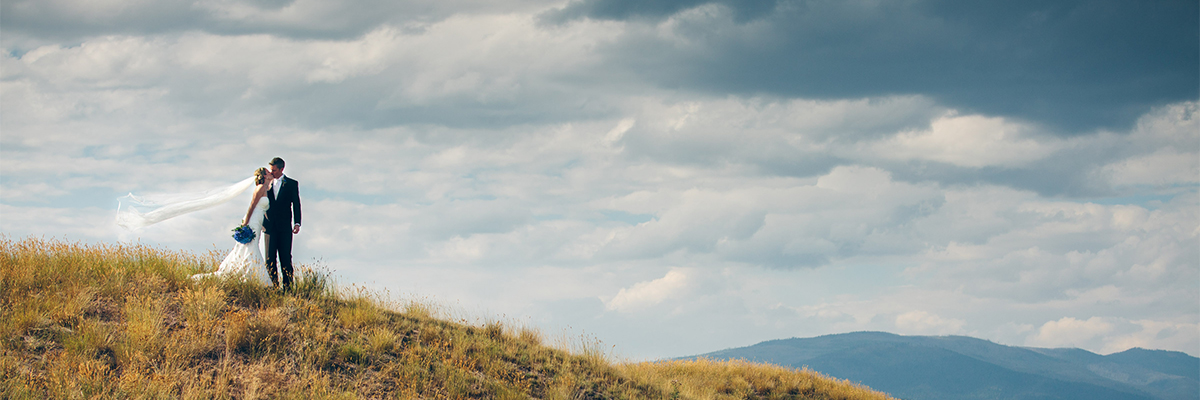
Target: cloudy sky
x,y
670,177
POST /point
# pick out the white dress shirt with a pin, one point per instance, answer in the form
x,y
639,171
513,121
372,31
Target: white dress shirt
x,y
275,185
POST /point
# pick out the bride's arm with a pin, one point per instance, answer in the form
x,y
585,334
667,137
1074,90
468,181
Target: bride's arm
x,y
258,192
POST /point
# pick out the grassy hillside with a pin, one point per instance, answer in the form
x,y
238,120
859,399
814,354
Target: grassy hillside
x,y
108,321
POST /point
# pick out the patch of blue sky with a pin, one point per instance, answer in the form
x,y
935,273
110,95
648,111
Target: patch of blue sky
x,y
1149,197
96,152
84,197
548,217
412,198
312,193
626,217
814,285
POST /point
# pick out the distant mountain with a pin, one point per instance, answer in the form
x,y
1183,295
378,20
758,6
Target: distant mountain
x,y
959,367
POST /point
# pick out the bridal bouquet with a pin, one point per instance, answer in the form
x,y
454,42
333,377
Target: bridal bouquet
x,y
243,234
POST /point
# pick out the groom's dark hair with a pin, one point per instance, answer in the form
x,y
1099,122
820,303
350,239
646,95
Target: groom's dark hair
x,y
278,162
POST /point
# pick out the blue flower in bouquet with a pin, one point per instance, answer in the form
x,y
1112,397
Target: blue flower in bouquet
x,y
243,234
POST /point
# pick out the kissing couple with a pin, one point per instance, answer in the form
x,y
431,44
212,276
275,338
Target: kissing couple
x,y
273,216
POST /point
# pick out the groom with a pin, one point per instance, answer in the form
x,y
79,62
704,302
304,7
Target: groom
x,y
284,198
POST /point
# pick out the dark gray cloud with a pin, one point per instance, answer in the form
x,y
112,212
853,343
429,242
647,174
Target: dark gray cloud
x,y
1070,65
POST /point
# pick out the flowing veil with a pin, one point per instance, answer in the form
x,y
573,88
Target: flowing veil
x,y
164,207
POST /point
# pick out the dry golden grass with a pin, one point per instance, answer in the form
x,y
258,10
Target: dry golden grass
x,y
736,379
84,321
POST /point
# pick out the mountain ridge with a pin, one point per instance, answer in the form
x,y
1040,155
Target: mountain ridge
x,y
891,362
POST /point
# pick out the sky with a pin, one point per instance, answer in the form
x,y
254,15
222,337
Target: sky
x,y
668,178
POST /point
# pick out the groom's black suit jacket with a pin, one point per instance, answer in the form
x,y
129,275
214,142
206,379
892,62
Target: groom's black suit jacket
x,y
285,207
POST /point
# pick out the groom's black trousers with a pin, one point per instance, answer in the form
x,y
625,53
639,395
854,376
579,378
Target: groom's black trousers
x,y
279,252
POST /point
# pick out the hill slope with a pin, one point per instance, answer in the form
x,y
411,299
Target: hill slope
x,y
957,367
113,321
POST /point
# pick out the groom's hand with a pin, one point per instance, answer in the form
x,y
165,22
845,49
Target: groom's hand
x,y
296,229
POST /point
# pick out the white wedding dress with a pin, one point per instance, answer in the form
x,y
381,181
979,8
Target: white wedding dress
x,y
245,261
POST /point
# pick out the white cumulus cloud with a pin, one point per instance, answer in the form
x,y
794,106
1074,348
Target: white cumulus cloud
x,y
1070,332
922,323
645,294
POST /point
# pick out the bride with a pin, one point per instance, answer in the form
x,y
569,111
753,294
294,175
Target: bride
x,y
245,261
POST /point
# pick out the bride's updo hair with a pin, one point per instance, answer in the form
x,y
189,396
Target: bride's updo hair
x,y
260,175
